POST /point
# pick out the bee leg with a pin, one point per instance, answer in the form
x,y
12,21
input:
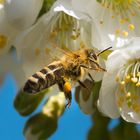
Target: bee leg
x,y
68,97
91,77
66,88
85,67
83,85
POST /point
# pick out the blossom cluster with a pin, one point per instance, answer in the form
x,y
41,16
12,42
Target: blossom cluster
x,y
72,24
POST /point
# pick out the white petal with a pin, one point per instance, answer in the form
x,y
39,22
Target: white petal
x,y
6,30
22,13
38,37
107,100
121,56
129,115
10,65
108,23
67,7
28,43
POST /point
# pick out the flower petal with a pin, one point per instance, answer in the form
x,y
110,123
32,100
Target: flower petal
x,y
107,100
10,65
27,12
114,29
36,45
129,115
7,33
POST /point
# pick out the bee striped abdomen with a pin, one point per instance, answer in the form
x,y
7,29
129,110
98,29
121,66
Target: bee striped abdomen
x,y
45,78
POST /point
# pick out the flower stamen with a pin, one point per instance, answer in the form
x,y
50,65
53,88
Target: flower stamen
x,y
128,79
123,11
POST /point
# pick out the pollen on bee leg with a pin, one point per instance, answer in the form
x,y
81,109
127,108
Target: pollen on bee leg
x,y
3,41
67,87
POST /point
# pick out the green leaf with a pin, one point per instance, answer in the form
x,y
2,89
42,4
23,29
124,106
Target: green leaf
x,y
26,103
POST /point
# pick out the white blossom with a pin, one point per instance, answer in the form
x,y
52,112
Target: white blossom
x,y
120,90
62,28
15,16
116,21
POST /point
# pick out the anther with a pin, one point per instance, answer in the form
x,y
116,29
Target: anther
x,y
125,33
134,79
131,27
122,83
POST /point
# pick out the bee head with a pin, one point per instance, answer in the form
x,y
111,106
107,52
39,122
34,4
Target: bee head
x,y
92,56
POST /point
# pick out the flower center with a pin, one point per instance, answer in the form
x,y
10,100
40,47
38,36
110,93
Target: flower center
x,y
117,5
65,33
128,79
66,29
3,41
123,11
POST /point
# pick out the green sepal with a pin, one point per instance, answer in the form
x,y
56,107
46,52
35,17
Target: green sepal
x,y
44,124
26,103
89,95
46,6
40,127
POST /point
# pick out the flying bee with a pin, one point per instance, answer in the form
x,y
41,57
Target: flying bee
x,y
72,67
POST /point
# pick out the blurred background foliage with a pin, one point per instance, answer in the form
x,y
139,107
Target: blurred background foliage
x,y
42,125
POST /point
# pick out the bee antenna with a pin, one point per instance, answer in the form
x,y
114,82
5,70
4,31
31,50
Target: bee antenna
x,y
103,51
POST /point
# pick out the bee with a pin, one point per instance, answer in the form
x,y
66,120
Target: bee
x,y
72,67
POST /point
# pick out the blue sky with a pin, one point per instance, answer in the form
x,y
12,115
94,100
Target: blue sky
x,y
11,123
73,124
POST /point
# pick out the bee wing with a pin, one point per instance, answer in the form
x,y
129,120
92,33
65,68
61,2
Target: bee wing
x,y
37,55
36,48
